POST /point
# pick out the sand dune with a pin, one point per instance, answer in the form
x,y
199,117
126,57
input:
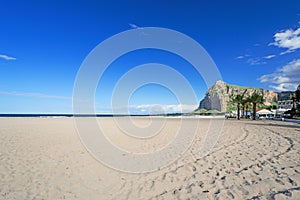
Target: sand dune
x,y
43,158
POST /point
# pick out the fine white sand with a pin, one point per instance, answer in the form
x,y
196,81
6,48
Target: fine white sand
x,y
43,158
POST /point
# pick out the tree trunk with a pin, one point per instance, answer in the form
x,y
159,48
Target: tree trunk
x,y
254,111
293,111
238,111
243,112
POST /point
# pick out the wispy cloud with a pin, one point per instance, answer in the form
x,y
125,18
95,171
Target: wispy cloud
x,y
6,57
256,61
37,95
159,108
242,56
154,109
288,39
134,26
285,78
269,56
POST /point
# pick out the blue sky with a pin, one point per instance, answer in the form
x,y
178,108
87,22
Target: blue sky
x,y
43,43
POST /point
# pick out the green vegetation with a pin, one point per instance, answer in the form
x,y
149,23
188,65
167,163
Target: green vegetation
x,y
245,106
238,100
238,86
297,93
212,112
230,107
295,112
203,111
255,99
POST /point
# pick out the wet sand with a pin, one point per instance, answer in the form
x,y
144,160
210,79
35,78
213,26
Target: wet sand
x,y
43,158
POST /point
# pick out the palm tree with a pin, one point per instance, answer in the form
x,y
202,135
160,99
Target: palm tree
x,y
245,104
294,98
238,99
255,99
297,93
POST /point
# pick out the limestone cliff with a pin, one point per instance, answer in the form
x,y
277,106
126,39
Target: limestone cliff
x,y
221,94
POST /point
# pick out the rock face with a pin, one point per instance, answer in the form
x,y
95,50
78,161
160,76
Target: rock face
x,y
221,93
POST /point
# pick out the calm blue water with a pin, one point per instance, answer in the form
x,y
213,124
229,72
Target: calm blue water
x,y
72,115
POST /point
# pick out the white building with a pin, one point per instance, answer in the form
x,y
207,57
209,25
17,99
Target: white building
x,y
283,106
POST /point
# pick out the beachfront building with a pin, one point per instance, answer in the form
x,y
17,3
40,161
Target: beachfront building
x,y
283,106
264,113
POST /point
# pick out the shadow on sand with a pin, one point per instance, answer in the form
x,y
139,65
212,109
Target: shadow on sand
x,y
274,124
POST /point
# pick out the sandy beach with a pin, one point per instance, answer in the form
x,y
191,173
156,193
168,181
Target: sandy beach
x,y
43,158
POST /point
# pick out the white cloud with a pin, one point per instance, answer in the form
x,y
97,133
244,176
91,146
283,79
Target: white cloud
x,y
269,56
285,87
242,56
146,109
288,39
6,57
286,78
37,95
134,26
256,61
161,109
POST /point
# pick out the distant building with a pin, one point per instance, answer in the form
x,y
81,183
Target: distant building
x,y
264,113
284,103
